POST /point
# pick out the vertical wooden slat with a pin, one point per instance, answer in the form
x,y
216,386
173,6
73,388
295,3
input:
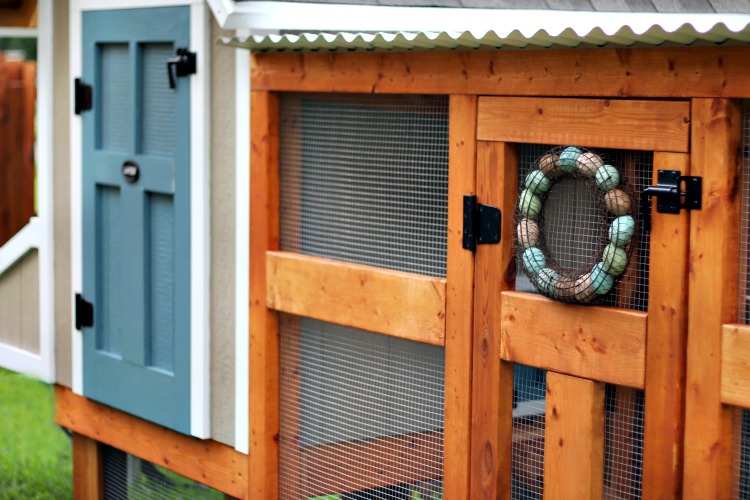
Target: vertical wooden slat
x,y
713,288
87,468
263,473
459,299
492,399
666,345
574,442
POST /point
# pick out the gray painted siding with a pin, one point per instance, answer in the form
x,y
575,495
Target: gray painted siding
x,y
664,6
222,239
61,187
19,305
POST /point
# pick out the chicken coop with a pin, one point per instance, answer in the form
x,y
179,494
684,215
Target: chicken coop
x,y
486,273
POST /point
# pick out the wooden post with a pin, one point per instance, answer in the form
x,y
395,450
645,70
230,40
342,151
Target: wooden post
x,y
666,345
459,300
263,470
88,481
492,398
574,442
713,286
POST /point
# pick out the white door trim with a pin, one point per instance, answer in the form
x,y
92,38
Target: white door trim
x,y
200,398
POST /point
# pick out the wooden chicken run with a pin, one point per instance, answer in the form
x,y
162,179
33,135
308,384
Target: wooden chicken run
x,y
386,359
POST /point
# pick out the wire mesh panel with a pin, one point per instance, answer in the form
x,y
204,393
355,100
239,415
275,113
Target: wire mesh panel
x,y
741,469
572,221
623,443
744,299
128,477
741,459
361,414
527,461
364,179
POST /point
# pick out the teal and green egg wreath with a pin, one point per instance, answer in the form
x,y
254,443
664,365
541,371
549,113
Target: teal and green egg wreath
x,y
616,225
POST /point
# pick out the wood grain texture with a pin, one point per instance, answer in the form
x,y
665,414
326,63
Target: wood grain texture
x,y
666,345
263,472
650,72
735,365
713,285
209,462
459,300
492,408
598,343
88,481
640,125
394,303
574,438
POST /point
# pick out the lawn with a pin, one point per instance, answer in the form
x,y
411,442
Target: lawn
x,y
35,454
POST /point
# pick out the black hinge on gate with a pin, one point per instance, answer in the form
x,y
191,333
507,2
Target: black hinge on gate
x,y
481,223
183,64
670,195
83,99
84,312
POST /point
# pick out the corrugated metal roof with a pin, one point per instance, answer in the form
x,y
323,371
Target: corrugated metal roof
x,y
736,31
703,6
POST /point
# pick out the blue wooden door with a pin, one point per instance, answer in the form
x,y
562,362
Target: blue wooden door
x,y
136,233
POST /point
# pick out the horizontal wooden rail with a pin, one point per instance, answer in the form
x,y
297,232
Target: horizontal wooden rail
x,y
394,303
651,72
735,365
208,462
626,124
592,342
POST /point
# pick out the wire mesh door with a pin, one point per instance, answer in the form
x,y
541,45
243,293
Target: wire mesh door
x,y
577,298
352,297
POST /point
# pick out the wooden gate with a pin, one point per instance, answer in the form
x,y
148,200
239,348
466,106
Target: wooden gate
x,y
17,101
594,436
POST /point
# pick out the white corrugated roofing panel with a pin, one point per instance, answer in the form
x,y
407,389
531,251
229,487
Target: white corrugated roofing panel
x,y
645,31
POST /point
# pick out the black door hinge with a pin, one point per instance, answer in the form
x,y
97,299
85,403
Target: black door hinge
x,y
84,312
83,96
481,223
184,64
673,192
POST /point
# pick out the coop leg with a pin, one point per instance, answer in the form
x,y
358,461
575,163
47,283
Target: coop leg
x,y
87,468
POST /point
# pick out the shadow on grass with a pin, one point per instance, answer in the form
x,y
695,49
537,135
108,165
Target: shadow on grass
x,y
35,454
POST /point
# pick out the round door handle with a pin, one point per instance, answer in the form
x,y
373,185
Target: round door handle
x,y
130,171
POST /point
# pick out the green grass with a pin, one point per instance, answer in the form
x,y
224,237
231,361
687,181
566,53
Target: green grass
x,y
35,455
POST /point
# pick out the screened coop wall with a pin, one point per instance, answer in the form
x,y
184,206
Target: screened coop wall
x,y
126,477
571,221
363,179
741,469
360,412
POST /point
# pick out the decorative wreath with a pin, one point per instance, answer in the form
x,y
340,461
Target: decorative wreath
x,y
616,225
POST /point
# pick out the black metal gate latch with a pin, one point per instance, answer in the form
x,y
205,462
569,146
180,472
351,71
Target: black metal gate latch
x,y
481,223
673,192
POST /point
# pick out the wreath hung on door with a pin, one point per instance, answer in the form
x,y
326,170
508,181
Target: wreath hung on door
x,y
615,225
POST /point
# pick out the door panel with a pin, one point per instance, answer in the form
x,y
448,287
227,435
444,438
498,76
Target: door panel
x,y
582,346
136,235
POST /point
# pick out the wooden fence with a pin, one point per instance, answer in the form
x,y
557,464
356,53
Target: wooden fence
x,y
17,101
